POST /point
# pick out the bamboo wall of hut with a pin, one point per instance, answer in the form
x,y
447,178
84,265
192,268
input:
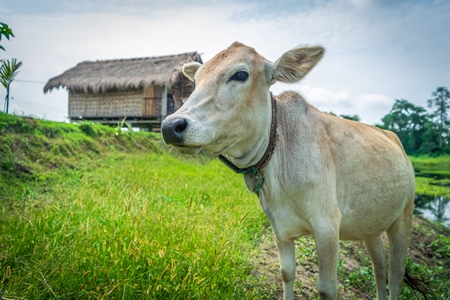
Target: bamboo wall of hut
x,y
144,102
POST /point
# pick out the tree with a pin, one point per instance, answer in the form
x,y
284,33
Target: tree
x,y
6,32
409,122
441,103
8,71
349,117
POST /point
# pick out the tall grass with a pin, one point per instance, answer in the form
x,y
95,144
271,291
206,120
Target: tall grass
x,y
149,227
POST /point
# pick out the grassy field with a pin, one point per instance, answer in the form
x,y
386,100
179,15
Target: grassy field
x,y
147,226
88,212
92,212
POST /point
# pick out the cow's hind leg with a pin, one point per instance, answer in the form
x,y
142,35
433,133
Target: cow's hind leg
x,y
377,253
286,253
398,235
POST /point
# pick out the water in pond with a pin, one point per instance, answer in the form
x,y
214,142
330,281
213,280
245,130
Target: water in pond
x,y
434,208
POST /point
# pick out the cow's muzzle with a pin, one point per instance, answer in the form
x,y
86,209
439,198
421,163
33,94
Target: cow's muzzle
x,y
173,130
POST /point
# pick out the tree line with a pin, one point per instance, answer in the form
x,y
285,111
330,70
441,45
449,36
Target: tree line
x,y
421,132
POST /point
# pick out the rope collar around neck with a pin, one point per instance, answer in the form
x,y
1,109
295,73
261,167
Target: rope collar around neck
x,y
257,169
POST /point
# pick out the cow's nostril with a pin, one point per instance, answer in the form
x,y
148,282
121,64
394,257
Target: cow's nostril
x,y
173,130
180,125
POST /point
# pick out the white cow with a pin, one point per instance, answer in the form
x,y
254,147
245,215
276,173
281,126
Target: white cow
x,y
314,174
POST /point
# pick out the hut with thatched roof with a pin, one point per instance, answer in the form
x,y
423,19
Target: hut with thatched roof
x,y
142,90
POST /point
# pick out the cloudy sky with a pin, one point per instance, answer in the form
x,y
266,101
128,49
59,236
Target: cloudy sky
x,y
377,50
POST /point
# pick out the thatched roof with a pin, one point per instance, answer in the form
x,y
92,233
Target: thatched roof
x,y
122,74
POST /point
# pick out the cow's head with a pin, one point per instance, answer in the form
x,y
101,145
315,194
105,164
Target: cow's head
x,y
229,110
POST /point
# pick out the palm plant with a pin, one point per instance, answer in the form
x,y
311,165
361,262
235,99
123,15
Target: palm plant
x,y
8,71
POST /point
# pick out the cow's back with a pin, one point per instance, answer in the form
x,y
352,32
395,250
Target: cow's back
x,y
372,174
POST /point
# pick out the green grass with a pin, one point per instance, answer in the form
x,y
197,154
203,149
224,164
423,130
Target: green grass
x,y
91,212
149,226
425,186
435,169
442,159
37,150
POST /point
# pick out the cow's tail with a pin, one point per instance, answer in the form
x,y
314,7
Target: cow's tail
x,y
419,285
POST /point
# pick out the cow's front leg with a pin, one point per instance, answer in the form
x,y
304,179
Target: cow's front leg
x,y
286,253
327,245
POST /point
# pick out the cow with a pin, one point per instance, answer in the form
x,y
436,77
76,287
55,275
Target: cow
x,y
314,174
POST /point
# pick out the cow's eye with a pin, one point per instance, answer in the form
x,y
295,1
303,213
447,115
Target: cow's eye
x,y
239,76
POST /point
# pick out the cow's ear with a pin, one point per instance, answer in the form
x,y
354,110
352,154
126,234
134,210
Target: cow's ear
x,y
295,64
190,68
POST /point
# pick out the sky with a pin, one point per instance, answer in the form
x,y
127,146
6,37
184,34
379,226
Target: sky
x,y
376,50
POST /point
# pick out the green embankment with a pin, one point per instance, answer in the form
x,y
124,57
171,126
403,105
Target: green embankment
x,y
32,149
90,212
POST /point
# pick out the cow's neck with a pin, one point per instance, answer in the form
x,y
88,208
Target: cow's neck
x,y
260,153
